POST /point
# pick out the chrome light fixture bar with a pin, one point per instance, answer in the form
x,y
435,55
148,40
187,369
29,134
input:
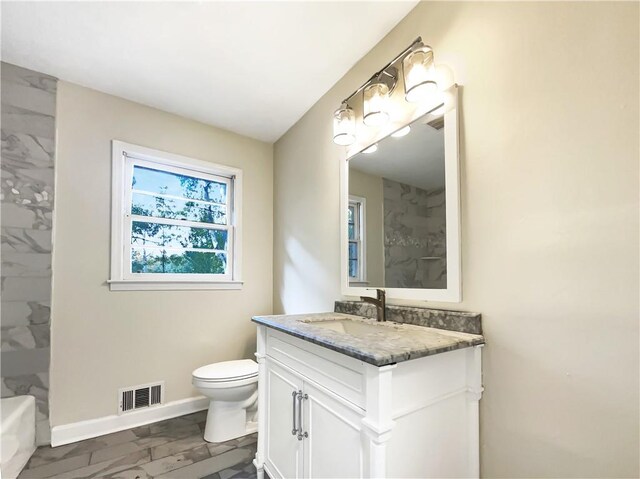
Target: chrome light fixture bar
x,y
419,83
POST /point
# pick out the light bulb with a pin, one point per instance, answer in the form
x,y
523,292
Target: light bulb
x,y
439,111
446,100
422,93
372,149
344,126
402,132
375,104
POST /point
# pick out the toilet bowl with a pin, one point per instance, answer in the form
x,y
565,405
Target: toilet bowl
x,y
232,389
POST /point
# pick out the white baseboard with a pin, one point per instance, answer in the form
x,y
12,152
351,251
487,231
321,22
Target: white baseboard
x,y
78,431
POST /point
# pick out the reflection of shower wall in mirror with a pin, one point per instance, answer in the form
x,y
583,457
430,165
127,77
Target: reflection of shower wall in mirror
x,y
415,236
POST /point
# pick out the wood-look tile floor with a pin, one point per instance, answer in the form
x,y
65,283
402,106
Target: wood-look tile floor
x,y
174,448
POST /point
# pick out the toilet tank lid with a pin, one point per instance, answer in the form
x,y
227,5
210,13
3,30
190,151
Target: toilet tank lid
x,y
241,368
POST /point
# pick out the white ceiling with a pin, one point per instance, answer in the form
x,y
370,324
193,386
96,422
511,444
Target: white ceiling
x,y
250,67
416,159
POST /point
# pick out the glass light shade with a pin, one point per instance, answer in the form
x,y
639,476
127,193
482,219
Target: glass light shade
x,y
372,149
401,132
447,102
344,126
419,75
376,97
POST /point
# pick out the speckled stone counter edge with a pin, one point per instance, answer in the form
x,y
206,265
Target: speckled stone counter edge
x,y
426,342
432,318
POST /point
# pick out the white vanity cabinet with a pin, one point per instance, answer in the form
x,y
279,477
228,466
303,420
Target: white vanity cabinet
x,y
328,444
324,414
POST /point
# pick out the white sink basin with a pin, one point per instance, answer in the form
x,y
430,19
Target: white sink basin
x,y
355,328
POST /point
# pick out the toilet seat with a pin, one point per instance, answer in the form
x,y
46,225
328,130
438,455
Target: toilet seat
x,y
227,371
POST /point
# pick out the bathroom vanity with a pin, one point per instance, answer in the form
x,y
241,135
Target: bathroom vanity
x,y
342,395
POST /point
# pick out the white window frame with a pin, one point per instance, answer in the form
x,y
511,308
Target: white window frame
x,y
124,157
360,224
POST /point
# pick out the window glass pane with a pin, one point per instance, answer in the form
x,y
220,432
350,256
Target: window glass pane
x,y
351,214
351,232
353,268
145,260
155,234
163,182
353,250
161,207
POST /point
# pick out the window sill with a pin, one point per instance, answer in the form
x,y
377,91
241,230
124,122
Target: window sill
x,y
150,285
358,283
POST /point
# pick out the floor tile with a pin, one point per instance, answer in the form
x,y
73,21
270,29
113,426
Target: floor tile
x,y
169,463
216,448
161,435
55,468
211,465
170,425
112,452
135,473
239,472
172,448
247,440
45,455
175,447
176,430
111,466
197,417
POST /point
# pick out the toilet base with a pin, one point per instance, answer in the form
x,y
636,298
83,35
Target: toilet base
x,y
227,420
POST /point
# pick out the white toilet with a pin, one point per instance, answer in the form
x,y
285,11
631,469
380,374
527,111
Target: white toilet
x,y
232,387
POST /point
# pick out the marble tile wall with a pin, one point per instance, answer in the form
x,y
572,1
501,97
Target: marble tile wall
x,y
28,105
415,247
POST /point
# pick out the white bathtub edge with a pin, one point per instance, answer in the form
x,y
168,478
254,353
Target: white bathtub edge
x,y
21,460
17,434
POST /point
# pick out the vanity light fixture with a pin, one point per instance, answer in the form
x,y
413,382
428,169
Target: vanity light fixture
x,y
344,126
419,85
402,132
372,149
419,75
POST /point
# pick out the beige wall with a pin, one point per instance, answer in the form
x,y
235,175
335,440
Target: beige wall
x,y
104,340
549,160
370,187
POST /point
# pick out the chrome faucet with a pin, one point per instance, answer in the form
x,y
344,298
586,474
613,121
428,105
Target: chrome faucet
x,y
380,304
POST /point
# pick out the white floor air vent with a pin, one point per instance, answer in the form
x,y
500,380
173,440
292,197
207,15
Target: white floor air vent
x,y
136,397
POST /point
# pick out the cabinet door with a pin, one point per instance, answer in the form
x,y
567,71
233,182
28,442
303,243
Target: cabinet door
x,y
333,448
283,449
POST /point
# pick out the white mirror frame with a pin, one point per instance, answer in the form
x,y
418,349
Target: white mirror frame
x,y
453,291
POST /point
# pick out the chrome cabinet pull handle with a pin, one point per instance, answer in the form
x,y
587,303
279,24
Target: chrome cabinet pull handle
x,y
294,396
301,397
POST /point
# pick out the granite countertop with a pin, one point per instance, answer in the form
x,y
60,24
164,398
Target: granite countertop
x,y
372,342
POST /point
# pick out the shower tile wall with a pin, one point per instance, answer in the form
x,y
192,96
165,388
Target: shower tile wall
x,y
27,181
415,246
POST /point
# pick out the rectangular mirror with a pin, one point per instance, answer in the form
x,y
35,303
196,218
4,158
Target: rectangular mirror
x,y
401,213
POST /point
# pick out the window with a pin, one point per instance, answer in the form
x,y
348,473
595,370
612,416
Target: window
x,y
355,219
175,221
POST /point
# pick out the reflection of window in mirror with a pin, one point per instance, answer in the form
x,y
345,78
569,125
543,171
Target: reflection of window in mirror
x,y
357,240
